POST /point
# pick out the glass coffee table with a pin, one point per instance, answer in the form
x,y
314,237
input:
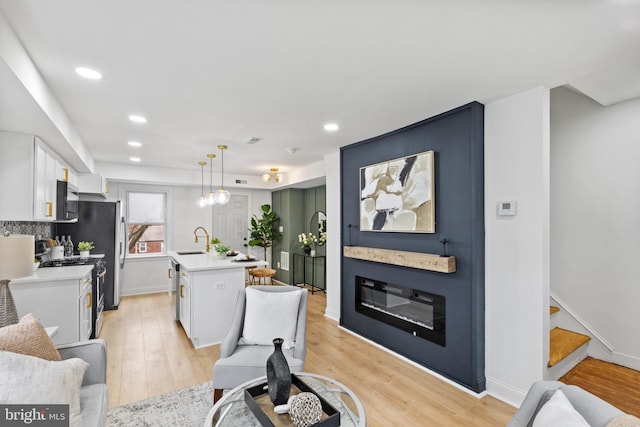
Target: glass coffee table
x,y
231,409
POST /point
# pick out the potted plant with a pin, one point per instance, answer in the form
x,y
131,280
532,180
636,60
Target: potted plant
x,y
306,240
221,249
84,248
263,230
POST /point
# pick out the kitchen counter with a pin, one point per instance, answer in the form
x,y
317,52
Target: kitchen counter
x,y
207,288
211,261
55,273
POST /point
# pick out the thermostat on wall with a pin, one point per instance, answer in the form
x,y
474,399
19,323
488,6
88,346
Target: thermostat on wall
x,y
507,208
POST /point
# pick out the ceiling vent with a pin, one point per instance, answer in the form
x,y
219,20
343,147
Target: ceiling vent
x,y
253,140
241,181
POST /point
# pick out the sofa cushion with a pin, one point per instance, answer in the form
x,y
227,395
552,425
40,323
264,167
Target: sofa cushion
x,y
93,401
559,412
249,362
31,380
270,315
28,337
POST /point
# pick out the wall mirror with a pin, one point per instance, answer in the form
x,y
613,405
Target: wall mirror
x,y
318,224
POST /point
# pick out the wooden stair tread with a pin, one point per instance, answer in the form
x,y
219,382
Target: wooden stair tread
x,y
563,343
553,310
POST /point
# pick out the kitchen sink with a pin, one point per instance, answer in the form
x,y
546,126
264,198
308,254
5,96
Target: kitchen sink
x,y
190,253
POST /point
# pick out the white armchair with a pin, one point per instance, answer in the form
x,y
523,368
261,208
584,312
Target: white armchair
x,y
243,357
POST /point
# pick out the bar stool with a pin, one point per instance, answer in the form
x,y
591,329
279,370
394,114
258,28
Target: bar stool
x,y
262,273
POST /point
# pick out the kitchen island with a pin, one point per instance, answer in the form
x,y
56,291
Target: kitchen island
x,y
206,292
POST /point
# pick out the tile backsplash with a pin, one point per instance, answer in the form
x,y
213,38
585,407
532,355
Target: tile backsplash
x,y
41,230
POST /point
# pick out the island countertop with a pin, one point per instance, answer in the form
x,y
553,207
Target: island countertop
x,y
211,261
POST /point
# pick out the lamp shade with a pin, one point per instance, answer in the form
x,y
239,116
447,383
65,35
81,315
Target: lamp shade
x,y
17,254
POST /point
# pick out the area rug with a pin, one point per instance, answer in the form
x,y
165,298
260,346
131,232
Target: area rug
x,y
187,407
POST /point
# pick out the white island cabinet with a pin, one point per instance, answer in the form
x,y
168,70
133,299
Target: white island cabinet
x,y
58,296
207,294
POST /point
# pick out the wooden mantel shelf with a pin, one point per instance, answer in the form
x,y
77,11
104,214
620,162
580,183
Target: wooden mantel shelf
x,y
419,260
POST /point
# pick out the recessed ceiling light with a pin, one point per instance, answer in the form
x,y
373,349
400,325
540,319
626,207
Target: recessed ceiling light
x,y
137,119
331,127
135,144
88,73
135,159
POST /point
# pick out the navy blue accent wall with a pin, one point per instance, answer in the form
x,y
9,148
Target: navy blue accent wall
x,y
457,138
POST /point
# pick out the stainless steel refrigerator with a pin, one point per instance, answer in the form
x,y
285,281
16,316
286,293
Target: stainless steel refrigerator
x,y
103,224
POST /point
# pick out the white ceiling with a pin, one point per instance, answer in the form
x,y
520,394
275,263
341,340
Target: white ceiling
x,y
220,72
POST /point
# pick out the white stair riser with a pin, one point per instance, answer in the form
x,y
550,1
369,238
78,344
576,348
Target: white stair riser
x,y
566,364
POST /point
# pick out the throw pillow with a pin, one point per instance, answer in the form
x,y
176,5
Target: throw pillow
x,y
624,421
28,337
270,315
31,380
558,412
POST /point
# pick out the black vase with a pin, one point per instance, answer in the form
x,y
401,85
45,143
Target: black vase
x,y
307,250
278,375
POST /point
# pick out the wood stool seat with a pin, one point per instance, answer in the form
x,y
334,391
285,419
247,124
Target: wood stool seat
x,y
262,273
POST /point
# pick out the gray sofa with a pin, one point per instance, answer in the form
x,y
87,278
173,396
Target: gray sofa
x,y
595,411
94,401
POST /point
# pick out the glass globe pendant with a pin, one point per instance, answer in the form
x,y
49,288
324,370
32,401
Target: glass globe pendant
x,y
222,196
201,200
210,199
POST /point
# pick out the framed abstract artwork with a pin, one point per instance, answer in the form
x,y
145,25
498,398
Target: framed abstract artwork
x,y
398,195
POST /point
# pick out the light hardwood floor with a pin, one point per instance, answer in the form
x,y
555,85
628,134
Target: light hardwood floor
x,y
149,355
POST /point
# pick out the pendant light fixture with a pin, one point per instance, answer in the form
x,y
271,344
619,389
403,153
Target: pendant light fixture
x,y
222,196
201,200
211,196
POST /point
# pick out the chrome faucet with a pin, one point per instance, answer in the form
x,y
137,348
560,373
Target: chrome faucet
x,y
195,232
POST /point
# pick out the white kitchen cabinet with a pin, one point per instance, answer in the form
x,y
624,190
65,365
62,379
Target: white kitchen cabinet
x,y
44,207
58,301
184,293
27,178
92,183
65,173
208,303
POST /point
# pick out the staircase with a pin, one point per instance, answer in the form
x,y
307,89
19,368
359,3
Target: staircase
x,y
566,348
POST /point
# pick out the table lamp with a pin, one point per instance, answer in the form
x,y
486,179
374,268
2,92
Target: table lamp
x,y
16,260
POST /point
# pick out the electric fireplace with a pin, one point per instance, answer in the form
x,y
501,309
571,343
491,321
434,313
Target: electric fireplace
x,y
417,312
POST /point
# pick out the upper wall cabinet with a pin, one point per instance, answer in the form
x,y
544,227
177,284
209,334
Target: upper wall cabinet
x,y
28,174
65,173
92,183
44,204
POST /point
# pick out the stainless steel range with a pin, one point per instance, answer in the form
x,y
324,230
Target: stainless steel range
x,y
98,275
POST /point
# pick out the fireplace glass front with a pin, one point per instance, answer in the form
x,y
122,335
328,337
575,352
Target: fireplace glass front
x,y
417,312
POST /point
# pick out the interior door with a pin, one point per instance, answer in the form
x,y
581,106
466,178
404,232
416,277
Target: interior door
x,y
230,223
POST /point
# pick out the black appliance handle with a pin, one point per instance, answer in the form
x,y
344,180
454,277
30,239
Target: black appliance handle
x,y
125,239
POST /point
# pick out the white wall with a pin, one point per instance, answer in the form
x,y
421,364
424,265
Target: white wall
x,y
334,248
595,222
517,248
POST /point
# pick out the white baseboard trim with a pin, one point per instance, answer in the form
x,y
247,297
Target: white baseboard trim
x,y
332,315
505,392
142,291
594,334
417,365
627,360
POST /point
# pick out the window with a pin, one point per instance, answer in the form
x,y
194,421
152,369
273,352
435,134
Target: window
x,y
146,219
